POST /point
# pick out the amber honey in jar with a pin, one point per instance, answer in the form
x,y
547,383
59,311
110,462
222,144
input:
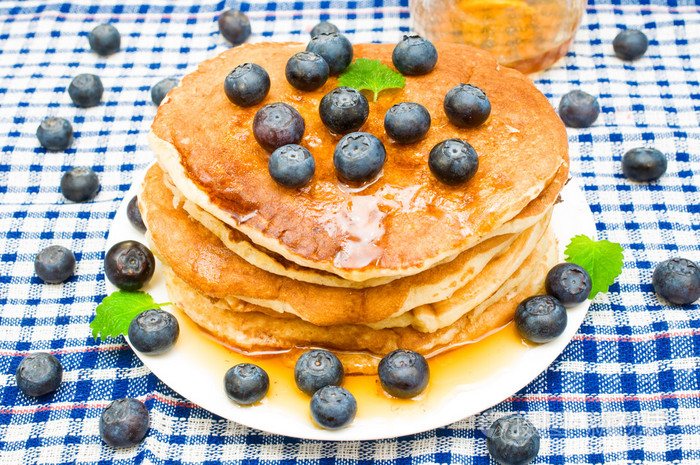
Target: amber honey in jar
x,y
529,35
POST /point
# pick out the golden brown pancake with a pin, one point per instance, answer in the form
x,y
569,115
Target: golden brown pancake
x,y
249,328
493,276
275,263
206,145
199,258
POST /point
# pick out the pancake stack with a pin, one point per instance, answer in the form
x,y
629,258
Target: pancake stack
x,y
403,261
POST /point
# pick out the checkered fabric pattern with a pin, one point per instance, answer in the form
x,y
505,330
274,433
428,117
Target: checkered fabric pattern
x,y
626,389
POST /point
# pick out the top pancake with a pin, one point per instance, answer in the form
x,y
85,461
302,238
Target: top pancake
x,y
404,222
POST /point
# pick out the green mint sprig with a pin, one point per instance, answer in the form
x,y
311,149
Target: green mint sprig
x,y
372,75
114,314
601,259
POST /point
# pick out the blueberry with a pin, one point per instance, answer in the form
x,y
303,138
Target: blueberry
x,y
643,164
104,39
276,125
291,165
247,85
54,264
407,122
234,26
513,440
630,44
124,423
540,318
467,106
324,27
134,214
38,374
86,90
677,280
453,161
129,265
153,331
333,407
414,55
55,134
317,368
80,184
569,283
359,157
161,89
403,373
246,383
577,109
307,71
344,110
335,48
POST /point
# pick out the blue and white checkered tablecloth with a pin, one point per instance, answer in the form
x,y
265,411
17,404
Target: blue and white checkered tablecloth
x,y
626,389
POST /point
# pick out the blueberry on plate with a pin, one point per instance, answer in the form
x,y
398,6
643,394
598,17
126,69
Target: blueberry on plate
x,y
38,374
403,373
453,162
307,71
335,48
247,85
134,215
291,166
161,89
643,164
333,407
246,383
513,440
578,109
80,184
407,122
324,27
467,106
569,283
677,280
55,134
129,265
317,368
104,39
630,44
414,55
124,423
54,264
276,125
344,110
85,90
153,331
234,26
359,157
540,318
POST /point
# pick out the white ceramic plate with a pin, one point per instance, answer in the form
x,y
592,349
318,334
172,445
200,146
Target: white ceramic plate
x,y
464,383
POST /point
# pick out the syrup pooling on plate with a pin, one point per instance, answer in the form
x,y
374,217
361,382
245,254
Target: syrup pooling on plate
x,y
453,370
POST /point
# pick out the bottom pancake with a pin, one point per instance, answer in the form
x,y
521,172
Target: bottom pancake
x,y
248,328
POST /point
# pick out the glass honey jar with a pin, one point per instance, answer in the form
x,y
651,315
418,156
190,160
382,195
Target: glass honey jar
x,y
529,35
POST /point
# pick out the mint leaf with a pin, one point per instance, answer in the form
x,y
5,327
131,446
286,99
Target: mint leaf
x,y
602,260
114,314
364,74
